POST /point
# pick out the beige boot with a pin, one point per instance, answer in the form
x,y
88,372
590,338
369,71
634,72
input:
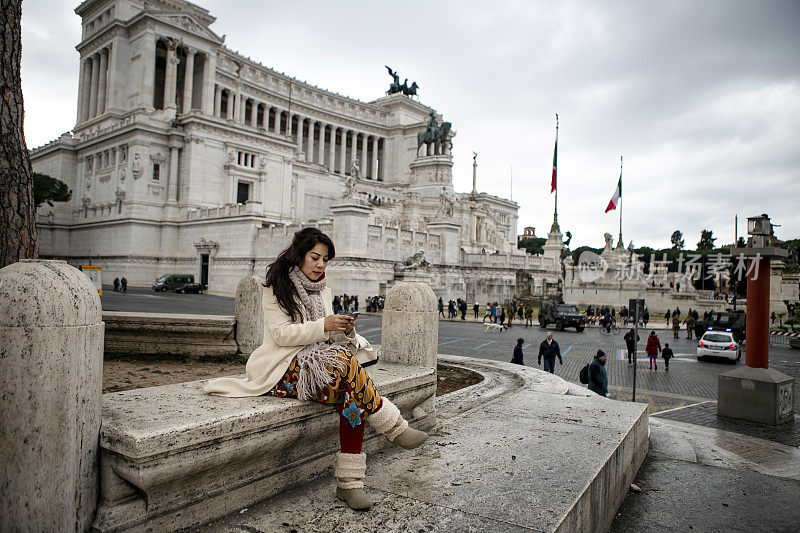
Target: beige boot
x,y
350,470
389,422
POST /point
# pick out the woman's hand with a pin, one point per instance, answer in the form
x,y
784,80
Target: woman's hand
x,y
339,323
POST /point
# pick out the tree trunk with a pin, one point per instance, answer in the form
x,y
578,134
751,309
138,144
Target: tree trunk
x,y
17,210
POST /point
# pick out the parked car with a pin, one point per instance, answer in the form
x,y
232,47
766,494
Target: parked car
x,y
717,343
169,282
561,315
194,288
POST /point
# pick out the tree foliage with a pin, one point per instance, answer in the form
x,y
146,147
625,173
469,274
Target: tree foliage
x,y
706,240
532,245
48,190
677,240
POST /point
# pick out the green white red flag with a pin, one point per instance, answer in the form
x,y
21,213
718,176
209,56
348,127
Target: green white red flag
x,y
617,196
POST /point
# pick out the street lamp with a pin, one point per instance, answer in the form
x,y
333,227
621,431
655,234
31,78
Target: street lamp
x,y
755,392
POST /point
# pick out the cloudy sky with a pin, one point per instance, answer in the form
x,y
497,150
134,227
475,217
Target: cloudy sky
x,y
702,98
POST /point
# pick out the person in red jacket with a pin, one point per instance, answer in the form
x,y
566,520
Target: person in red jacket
x,y
652,349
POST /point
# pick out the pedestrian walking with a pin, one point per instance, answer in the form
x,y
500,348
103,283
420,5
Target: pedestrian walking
x,y
441,307
463,309
666,316
475,309
488,312
502,312
548,351
652,349
631,338
116,284
124,283
510,315
667,354
772,317
645,317
598,379
517,358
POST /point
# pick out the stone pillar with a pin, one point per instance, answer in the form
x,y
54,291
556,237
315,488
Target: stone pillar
x,y
410,330
229,109
362,153
311,126
171,78
188,81
277,125
332,151
93,89
85,90
249,314
147,73
103,82
174,151
300,124
374,170
217,111
209,80
451,251
342,150
253,113
321,147
380,159
51,333
350,218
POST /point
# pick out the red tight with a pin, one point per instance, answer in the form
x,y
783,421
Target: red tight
x,y
350,438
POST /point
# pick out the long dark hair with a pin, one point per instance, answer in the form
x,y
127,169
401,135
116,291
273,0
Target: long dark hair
x,y
278,272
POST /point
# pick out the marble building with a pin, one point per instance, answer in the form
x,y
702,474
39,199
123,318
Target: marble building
x,y
188,157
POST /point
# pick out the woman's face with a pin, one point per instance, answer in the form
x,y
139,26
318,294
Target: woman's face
x,y
315,262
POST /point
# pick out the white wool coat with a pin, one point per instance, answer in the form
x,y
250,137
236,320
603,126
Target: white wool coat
x,y
283,338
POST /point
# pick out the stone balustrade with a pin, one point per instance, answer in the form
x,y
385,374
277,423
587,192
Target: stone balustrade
x,y
226,210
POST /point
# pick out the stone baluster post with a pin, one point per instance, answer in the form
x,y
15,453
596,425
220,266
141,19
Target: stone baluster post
x,y
410,330
249,314
51,333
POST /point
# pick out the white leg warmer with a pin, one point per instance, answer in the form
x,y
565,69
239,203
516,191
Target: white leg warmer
x,y
387,420
350,469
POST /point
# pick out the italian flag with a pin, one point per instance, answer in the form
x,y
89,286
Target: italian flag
x,y
617,195
555,164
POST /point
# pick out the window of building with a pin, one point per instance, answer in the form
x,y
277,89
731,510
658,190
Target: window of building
x,y
246,159
242,192
156,171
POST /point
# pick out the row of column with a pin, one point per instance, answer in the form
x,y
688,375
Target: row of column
x,y
171,78
94,84
322,143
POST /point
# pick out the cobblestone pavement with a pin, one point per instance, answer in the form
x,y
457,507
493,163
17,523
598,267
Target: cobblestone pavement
x,y
705,414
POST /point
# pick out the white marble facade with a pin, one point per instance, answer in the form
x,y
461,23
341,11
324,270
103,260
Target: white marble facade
x,y
188,157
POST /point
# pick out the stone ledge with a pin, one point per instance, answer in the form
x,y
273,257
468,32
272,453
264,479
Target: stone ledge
x,y
159,334
173,457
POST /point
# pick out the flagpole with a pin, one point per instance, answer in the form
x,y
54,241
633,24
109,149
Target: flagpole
x,y
555,210
620,203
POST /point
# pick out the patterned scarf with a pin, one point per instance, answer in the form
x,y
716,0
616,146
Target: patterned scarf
x,y
316,360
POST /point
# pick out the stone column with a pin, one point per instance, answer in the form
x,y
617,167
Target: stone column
x,y
410,330
342,150
51,331
253,113
174,151
374,170
93,89
85,89
209,80
321,147
277,124
229,109
300,124
332,151
102,82
171,78
188,81
217,111
362,150
311,126
249,314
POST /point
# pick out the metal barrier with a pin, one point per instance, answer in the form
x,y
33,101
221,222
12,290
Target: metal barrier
x,y
782,339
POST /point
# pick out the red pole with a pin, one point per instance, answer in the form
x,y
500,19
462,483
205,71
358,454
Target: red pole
x,y
757,352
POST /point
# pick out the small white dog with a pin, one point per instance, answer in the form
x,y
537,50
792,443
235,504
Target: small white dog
x,y
489,327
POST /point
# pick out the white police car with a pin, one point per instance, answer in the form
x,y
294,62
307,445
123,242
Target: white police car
x,y
718,343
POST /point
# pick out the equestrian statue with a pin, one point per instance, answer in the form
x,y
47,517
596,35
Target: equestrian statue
x,y
436,135
397,87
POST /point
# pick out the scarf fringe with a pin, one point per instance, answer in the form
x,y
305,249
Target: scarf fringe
x,y
316,370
